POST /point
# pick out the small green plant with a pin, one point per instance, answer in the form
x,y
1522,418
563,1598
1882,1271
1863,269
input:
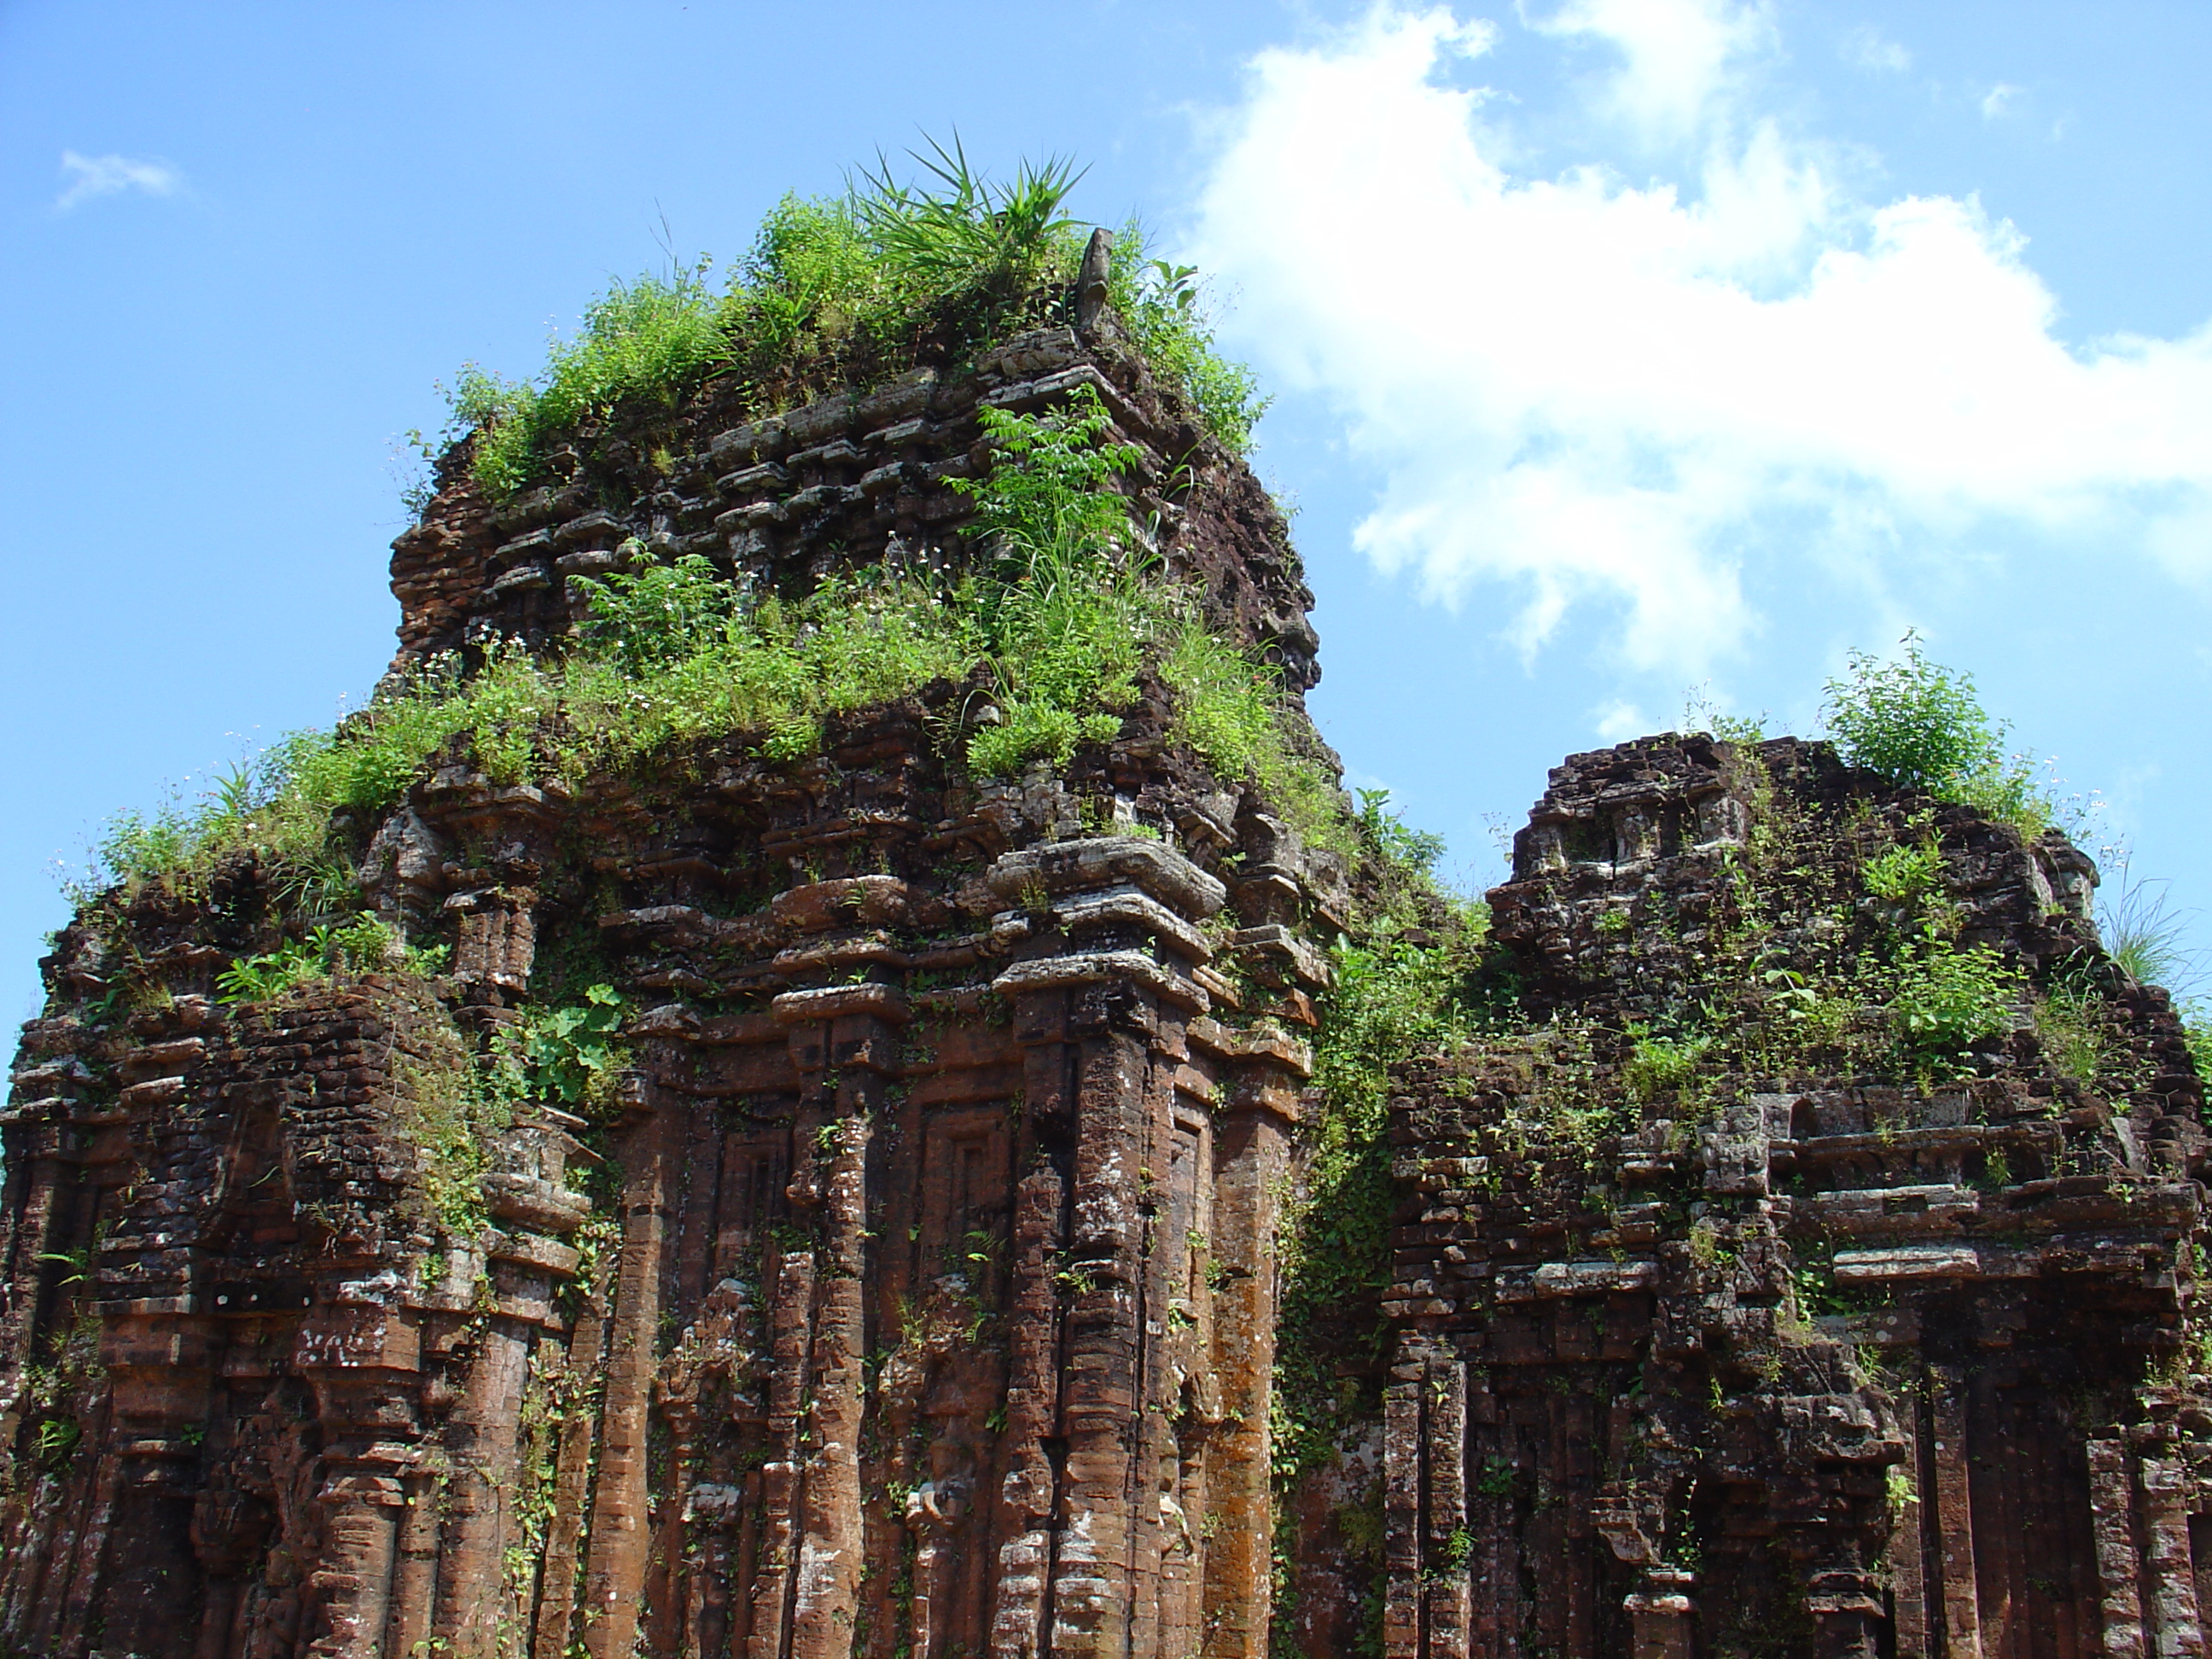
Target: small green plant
x,y
365,944
654,614
1944,1001
1390,838
2072,1024
57,1440
1921,726
1050,481
1900,1490
570,1054
1701,713
1902,874
1709,1248
1662,1065
272,973
1813,1284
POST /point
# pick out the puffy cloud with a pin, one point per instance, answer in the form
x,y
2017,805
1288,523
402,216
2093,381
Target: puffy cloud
x,y
2000,99
90,176
1677,53
1630,394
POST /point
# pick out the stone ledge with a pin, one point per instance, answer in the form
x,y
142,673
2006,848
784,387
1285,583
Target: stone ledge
x,y
883,1002
1090,967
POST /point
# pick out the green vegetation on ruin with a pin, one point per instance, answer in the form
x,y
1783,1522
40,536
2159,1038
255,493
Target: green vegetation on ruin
x,y
848,291
1060,617
1921,726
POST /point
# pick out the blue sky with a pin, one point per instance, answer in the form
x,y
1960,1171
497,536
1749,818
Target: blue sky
x,y
1620,346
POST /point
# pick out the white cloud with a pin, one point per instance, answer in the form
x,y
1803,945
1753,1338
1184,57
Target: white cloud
x,y
1868,47
1616,721
1999,100
1679,53
91,176
1599,392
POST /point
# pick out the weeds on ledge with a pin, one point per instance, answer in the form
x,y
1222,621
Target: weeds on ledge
x,y
846,291
363,945
1064,609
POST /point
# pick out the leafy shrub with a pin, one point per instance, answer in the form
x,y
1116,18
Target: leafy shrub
x,y
1915,722
1050,481
1401,858
656,615
1811,1018
1921,726
2007,791
1076,613
1902,873
1066,619
1943,1001
1390,838
365,944
1663,1065
570,1054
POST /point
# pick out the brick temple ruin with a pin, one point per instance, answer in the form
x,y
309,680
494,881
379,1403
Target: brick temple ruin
x,y
1613,1397
915,1296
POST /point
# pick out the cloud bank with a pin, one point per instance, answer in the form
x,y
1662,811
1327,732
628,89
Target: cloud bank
x,y
89,177
1599,392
